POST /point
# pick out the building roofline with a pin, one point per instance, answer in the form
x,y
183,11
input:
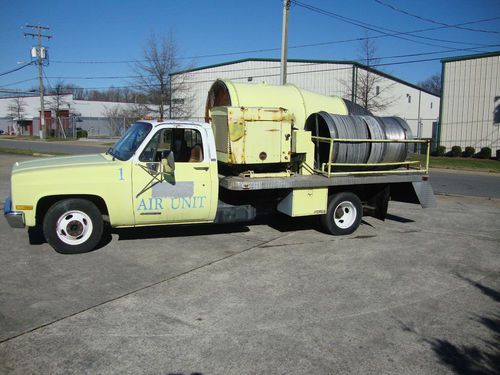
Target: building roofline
x,y
344,62
471,57
264,59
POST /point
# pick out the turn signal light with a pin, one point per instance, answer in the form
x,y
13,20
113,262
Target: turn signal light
x,y
22,207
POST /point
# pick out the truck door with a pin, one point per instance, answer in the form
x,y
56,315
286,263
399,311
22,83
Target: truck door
x,y
181,196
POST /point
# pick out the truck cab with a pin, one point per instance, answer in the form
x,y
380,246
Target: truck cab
x,y
157,173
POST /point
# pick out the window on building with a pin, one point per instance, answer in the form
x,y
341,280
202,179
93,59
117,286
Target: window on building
x,y
431,105
179,101
377,90
250,79
409,98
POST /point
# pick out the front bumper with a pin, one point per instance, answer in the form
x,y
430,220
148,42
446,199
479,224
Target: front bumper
x,y
14,218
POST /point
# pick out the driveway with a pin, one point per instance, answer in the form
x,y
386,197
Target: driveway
x,y
418,293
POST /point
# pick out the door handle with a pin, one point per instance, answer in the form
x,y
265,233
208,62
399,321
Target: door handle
x,y
201,168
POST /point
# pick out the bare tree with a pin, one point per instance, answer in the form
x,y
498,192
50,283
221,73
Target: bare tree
x,y
370,90
58,101
134,112
432,84
114,115
161,58
16,109
121,117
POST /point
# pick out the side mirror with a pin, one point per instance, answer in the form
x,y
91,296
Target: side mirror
x,y
168,164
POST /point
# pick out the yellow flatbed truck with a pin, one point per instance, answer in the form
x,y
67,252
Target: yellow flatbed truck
x,y
246,160
167,173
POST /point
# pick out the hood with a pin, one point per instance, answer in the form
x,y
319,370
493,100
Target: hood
x,y
62,161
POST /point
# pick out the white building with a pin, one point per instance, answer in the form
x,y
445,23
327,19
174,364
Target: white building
x,y
417,106
89,115
470,106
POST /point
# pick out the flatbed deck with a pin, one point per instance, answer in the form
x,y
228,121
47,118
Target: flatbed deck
x,y
240,183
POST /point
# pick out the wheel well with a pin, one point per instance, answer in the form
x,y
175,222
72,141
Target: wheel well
x,y
46,202
364,192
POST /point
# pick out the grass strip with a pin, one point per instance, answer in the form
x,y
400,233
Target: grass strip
x,y
466,164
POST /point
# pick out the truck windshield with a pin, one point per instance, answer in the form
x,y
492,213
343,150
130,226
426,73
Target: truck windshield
x,y
130,141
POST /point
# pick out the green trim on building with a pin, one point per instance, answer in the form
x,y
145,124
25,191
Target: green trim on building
x,y
354,83
440,121
471,57
354,63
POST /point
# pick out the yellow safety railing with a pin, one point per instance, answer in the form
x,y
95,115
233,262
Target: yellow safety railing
x,y
415,165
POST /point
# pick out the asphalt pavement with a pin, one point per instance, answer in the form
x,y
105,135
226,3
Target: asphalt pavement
x,y
465,183
416,294
67,147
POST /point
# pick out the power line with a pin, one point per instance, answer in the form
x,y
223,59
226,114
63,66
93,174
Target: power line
x,y
47,80
246,69
290,47
252,69
16,69
379,29
276,67
18,82
399,10
267,75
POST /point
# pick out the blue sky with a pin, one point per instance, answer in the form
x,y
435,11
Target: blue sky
x,y
113,31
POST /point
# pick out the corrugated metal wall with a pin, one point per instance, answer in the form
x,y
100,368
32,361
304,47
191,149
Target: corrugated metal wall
x,y
471,91
321,77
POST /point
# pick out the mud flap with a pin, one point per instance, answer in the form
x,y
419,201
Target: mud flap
x,y
414,192
425,194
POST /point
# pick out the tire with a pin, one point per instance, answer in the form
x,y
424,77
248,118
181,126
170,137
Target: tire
x,y
343,214
73,226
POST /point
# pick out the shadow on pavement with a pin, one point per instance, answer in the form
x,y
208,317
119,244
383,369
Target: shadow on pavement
x,y
470,359
399,219
278,222
171,231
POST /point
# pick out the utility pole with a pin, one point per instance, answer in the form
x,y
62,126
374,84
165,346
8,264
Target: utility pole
x,y
284,41
39,52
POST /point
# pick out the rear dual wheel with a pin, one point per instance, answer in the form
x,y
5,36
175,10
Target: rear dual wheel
x,y
343,215
73,226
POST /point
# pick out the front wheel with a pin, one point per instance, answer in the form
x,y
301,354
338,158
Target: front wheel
x,y
343,214
73,226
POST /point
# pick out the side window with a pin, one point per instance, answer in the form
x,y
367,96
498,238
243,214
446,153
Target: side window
x,y
158,147
186,144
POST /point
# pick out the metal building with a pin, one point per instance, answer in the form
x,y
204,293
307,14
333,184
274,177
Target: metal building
x,y
417,106
470,101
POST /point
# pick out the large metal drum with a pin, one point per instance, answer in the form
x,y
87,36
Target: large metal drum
x,y
330,125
